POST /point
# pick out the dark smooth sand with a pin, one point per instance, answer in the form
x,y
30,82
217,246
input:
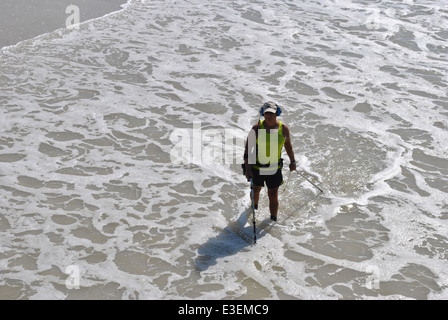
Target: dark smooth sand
x,y
25,19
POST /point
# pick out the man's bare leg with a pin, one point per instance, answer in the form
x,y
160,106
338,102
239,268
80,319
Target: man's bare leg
x,y
273,203
257,190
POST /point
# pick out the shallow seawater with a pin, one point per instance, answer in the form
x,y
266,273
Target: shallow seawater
x,y
95,204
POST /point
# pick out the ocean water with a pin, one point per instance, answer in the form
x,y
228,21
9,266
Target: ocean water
x,y
120,152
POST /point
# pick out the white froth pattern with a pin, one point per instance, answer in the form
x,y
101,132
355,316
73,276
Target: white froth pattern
x,y
86,178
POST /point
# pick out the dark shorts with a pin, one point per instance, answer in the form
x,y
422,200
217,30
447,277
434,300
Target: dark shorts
x,y
272,181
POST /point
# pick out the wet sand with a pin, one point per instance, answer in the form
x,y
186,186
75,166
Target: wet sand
x,y
25,19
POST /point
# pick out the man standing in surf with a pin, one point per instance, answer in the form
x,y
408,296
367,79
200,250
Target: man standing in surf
x,y
262,155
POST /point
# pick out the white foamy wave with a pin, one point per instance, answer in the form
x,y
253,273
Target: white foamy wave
x,y
89,186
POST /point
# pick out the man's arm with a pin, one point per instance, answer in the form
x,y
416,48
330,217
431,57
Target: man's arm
x,y
249,151
288,148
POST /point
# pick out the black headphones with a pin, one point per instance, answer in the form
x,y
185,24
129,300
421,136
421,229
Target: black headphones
x,y
269,105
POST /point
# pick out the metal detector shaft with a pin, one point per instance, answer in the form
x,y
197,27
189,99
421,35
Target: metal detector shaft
x,y
253,208
314,185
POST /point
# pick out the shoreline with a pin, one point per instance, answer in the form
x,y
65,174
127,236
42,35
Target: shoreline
x,y
22,20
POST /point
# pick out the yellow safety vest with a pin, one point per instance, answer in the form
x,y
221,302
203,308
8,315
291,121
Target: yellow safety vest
x,y
269,148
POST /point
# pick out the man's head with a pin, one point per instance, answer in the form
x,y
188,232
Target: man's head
x,y
270,107
270,111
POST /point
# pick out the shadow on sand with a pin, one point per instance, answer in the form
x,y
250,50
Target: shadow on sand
x,y
234,238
